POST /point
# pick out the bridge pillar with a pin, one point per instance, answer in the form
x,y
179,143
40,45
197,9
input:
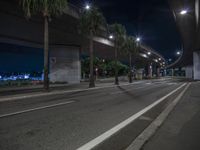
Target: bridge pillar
x,y
65,64
189,72
196,65
150,71
158,72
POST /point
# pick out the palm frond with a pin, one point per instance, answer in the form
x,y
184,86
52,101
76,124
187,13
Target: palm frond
x,y
51,7
91,20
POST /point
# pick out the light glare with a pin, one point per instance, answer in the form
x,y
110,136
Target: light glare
x,y
183,12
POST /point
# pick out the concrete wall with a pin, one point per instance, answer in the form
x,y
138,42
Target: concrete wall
x,y
189,72
196,62
65,64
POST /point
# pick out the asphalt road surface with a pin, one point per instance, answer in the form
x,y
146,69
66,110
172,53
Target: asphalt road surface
x,y
68,121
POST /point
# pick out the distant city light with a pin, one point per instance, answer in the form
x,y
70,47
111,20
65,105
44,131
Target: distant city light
x,y
87,7
159,59
156,60
170,60
149,53
26,76
183,12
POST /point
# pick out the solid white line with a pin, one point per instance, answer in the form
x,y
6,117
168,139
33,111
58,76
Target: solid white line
x,y
139,142
35,109
95,142
62,92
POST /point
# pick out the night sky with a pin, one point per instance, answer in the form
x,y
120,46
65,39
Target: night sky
x,y
150,19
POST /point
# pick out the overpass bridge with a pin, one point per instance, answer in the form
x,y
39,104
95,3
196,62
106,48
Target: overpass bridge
x,y
66,44
188,26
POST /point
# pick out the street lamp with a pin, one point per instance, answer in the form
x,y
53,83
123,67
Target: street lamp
x,y
144,55
87,7
183,12
111,37
178,53
138,39
149,53
159,59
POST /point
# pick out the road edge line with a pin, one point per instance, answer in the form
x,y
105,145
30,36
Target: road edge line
x,y
106,135
145,136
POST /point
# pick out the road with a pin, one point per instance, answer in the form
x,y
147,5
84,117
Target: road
x,y
182,133
69,120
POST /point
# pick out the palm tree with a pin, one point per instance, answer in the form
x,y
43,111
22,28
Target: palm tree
x,y
131,48
119,33
91,22
47,8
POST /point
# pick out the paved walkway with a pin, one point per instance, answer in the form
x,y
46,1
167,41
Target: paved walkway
x,y
181,131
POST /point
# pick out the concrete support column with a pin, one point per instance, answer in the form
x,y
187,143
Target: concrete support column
x,y
172,70
158,72
150,71
65,64
189,72
196,65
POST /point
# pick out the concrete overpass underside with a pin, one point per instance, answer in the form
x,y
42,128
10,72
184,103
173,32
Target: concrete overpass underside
x,y
188,26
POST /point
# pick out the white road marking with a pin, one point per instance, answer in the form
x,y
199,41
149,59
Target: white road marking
x,y
35,109
148,83
139,142
95,142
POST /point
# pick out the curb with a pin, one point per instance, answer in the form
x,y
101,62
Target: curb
x,y
60,92
145,136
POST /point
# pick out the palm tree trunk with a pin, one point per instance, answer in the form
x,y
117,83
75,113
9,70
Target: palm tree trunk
x,y
46,53
130,69
91,84
116,68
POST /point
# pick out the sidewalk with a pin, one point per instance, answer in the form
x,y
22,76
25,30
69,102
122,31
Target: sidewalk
x,y
37,91
13,93
181,130
52,86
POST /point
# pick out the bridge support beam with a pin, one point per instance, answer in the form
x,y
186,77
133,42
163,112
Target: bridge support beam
x,y
158,72
65,64
150,71
196,65
189,72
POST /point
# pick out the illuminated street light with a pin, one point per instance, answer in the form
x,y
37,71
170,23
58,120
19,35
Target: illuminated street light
x,y
111,37
138,39
178,53
87,7
183,12
144,55
159,59
149,53
156,60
